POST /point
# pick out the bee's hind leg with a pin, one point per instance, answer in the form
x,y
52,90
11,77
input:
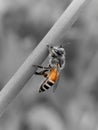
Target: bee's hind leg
x,y
43,73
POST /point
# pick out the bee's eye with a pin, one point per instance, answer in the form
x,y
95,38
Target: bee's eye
x,y
58,52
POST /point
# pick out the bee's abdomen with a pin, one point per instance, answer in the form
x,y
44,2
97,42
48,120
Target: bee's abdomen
x,y
46,85
50,82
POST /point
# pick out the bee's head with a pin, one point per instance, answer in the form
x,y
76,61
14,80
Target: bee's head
x,y
56,50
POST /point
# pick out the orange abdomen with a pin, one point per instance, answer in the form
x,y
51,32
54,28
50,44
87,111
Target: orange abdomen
x,y
53,75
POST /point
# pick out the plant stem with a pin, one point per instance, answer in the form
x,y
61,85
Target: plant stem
x,y
24,73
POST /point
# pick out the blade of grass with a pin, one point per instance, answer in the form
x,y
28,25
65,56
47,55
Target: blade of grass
x,y
24,73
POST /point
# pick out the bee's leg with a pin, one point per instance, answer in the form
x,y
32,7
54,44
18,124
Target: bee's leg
x,y
49,47
38,66
42,67
43,73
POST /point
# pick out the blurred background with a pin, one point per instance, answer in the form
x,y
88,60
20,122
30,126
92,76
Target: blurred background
x,y
74,105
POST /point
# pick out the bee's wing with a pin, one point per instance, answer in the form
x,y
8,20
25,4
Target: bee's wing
x,y
56,84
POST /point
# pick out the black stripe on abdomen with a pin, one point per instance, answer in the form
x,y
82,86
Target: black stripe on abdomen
x,y
50,83
46,86
41,89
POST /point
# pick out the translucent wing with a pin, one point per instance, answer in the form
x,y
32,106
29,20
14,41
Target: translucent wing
x,y
56,84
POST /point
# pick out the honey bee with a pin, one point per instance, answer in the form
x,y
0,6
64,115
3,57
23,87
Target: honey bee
x,y
56,64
